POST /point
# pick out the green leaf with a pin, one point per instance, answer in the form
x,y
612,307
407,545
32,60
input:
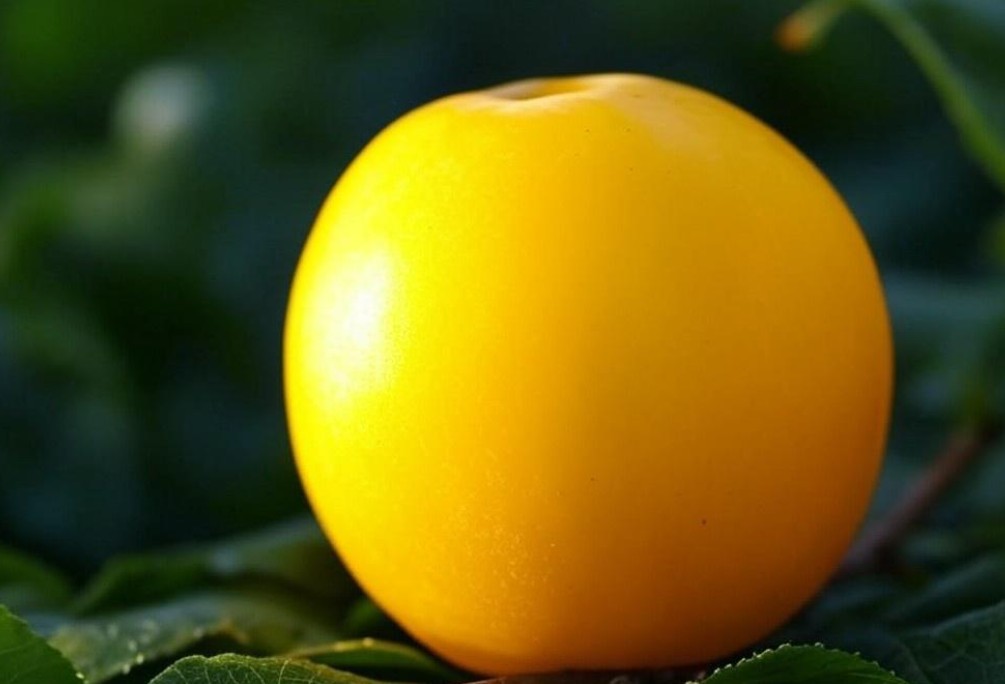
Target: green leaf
x,y
941,315
28,584
381,659
843,606
364,618
967,648
236,669
948,336
261,623
25,658
960,47
294,555
803,665
976,585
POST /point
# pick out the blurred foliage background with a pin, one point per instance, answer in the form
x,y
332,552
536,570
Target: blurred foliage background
x,y
161,163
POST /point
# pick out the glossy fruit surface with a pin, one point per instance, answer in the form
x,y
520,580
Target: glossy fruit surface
x,y
587,373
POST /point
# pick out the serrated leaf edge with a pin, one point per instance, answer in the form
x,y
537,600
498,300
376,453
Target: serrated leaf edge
x,y
757,655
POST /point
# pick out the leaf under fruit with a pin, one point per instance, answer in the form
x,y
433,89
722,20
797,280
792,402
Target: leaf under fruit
x,y
106,647
25,657
235,669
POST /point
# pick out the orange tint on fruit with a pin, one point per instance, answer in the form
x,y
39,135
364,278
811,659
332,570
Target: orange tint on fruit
x,y
587,373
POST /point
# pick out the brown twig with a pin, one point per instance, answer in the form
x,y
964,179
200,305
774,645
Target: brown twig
x,y
879,542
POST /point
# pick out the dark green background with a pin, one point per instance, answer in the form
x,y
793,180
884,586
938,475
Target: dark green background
x,y
161,164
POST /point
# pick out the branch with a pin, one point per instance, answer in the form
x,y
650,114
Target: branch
x,y
878,543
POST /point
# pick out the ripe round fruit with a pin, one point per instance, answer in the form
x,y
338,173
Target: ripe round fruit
x,y
587,373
